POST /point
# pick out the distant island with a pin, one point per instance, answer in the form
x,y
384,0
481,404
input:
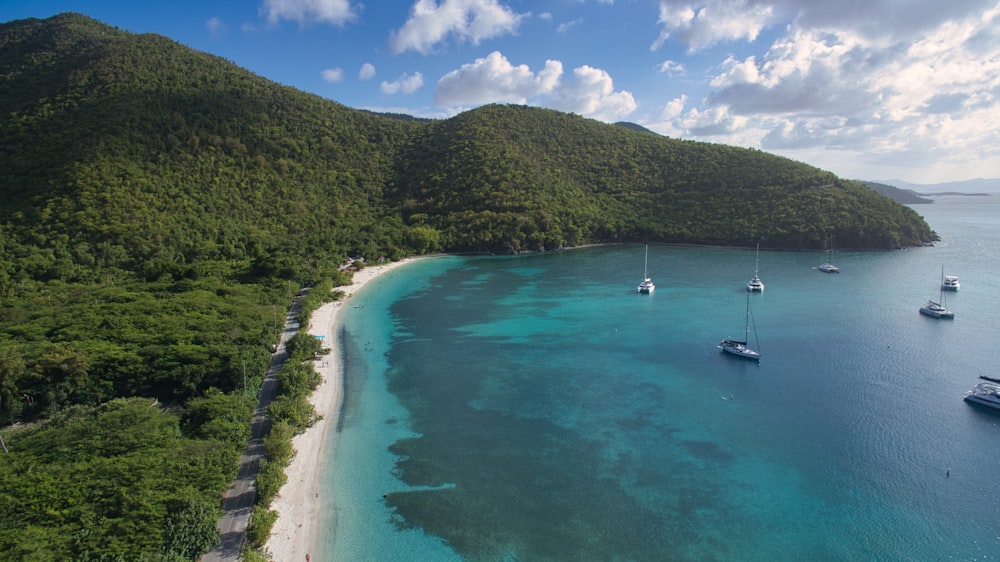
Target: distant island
x,y
972,188
904,196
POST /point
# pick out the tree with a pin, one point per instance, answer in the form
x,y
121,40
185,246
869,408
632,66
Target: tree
x,y
190,528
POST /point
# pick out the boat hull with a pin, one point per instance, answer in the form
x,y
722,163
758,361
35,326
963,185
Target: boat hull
x,y
985,402
739,349
986,394
935,310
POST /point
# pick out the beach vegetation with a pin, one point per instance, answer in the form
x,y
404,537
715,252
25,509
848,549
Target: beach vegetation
x,y
261,522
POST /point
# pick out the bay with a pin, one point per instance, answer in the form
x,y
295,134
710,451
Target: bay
x,y
535,408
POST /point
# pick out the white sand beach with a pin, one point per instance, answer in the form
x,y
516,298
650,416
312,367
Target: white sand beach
x,y
299,502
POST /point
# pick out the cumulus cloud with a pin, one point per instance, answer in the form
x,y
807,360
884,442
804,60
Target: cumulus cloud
x,y
431,23
674,108
702,24
335,12
894,98
494,79
367,71
333,75
699,24
405,84
589,91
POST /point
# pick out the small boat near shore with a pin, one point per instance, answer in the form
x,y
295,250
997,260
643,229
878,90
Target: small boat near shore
x,y
951,283
755,285
646,286
985,394
828,267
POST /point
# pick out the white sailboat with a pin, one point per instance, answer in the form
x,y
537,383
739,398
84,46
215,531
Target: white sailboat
x,y
646,287
755,285
937,309
829,267
741,348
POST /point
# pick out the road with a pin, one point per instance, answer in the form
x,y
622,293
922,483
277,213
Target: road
x,y
238,501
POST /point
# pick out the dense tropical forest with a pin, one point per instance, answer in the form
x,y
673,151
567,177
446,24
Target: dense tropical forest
x,y
160,208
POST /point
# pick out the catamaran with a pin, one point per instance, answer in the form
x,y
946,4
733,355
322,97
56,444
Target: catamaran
x,y
937,309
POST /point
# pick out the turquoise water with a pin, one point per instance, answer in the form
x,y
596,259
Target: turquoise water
x,y
536,408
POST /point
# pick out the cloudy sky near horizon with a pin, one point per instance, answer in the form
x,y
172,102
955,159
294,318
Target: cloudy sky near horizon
x,y
868,89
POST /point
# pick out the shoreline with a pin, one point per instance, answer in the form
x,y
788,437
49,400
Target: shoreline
x,y
298,502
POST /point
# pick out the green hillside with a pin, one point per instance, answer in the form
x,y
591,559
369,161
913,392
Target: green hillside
x,y
160,207
503,178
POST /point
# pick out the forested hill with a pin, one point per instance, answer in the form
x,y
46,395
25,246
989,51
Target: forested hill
x,y
529,179
153,151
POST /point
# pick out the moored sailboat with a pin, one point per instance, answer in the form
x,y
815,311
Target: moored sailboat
x,y
741,348
828,267
937,309
755,285
646,286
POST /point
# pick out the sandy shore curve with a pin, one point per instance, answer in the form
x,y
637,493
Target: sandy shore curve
x,y
299,502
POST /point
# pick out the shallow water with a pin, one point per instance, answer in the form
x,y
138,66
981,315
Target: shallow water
x,y
536,408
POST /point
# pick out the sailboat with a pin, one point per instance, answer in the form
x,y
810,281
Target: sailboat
x,y
755,285
937,309
740,348
646,287
829,267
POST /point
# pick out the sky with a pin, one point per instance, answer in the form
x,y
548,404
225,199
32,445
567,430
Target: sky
x,y
867,89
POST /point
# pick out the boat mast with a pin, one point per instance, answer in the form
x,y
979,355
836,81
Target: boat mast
x,y
941,289
746,328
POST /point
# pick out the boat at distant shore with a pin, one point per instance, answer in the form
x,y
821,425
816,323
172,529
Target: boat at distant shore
x,y
951,283
828,267
646,286
755,285
985,394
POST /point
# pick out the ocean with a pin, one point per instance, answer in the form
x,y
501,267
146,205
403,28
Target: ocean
x,y
536,408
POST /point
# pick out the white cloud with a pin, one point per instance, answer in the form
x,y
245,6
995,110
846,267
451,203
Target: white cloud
x,y
465,20
702,24
592,94
674,108
699,24
564,27
367,71
216,26
406,84
493,78
842,94
335,12
333,75
671,68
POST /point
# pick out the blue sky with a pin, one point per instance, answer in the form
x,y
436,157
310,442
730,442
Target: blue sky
x,y
868,89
